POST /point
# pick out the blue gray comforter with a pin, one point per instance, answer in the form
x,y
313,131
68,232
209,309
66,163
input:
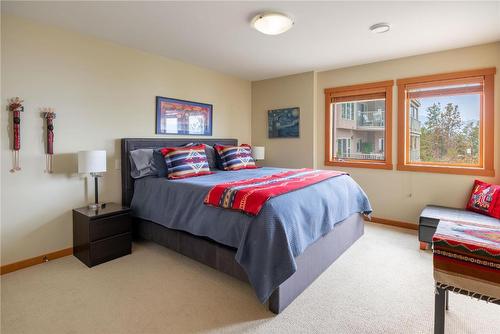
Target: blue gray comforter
x,y
267,243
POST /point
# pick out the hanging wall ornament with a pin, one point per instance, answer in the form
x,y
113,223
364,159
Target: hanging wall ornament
x,y
16,106
49,115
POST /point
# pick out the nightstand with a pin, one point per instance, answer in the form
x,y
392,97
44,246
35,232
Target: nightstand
x,y
101,235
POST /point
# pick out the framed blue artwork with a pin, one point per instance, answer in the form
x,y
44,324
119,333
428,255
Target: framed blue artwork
x,y
180,117
284,123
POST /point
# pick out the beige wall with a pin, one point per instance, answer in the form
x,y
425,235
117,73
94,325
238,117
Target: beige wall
x,y
402,195
290,91
101,92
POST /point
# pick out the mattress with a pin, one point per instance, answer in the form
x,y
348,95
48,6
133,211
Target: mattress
x,y
268,243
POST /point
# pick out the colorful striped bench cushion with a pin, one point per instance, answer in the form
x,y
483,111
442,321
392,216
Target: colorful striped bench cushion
x,y
467,256
183,162
235,157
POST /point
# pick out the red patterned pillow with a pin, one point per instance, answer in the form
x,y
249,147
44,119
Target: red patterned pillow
x,y
485,199
183,162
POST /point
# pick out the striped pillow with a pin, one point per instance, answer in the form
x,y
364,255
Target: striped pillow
x,y
183,162
209,151
235,157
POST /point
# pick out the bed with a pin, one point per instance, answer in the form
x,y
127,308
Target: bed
x,y
280,252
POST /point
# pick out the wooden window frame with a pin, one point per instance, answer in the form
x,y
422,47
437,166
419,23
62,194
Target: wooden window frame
x,y
373,88
486,123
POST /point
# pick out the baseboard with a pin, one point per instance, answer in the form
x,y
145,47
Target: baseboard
x,y
8,268
392,223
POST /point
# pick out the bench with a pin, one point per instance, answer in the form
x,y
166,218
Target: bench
x,y
432,214
466,260
456,253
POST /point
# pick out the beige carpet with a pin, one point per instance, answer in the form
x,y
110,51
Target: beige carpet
x,y
382,284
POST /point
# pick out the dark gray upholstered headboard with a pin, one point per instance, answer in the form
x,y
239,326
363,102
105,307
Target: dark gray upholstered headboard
x,y
130,144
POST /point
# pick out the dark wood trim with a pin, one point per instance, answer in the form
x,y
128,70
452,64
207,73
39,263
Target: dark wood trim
x,y
359,87
429,168
328,127
391,222
8,268
446,92
360,164
447,76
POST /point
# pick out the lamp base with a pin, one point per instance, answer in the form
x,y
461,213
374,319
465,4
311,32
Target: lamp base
x,y
97,206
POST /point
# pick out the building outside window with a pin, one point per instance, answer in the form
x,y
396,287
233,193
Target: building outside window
x,y
365,128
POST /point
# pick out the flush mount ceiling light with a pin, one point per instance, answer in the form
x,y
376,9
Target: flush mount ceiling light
x,y
272,23
380,28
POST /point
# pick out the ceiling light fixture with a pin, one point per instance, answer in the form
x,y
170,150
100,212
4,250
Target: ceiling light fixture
x,y
380,28
272,23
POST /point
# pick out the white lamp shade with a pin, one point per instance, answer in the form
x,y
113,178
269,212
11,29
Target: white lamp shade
x,y
258,152
91,161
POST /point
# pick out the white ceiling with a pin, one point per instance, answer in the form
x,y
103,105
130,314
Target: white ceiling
x,y
326,35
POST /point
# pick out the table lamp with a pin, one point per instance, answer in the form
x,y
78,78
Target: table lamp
x,y
258,152
93,162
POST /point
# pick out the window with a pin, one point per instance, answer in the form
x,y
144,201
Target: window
x,y
446,123
360,116
344,147
347,111
381,144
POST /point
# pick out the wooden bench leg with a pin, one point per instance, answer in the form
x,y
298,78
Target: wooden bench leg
x,y
423,245
439,311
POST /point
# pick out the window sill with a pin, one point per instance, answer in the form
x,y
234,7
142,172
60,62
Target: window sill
x,y
360,164
447,170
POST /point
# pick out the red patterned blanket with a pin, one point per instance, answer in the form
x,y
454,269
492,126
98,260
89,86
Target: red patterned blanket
x,y
250,195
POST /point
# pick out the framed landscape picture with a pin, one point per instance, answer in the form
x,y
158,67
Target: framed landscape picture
x,y
179,117
284,123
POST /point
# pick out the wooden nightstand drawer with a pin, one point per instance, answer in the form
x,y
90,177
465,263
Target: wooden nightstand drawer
x,y
110,226
110,248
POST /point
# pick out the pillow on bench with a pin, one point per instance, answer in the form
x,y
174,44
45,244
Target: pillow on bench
x,y
485,199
